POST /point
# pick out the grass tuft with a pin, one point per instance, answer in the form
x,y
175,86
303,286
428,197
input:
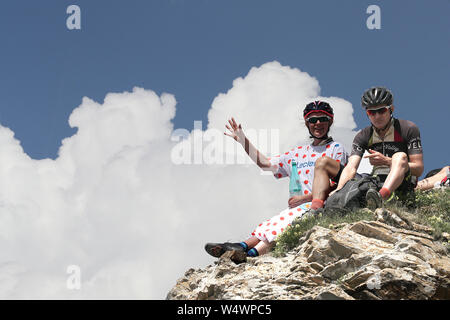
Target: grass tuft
x,y
430,208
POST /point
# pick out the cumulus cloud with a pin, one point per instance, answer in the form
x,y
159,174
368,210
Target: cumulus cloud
x,y
118,204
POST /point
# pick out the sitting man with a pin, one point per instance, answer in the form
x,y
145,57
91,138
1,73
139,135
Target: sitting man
x,y
395,153
318,117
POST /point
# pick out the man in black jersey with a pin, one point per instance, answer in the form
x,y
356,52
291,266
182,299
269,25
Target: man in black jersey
x,y
394,146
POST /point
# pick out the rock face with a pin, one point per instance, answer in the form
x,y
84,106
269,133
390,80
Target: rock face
x,y
362,260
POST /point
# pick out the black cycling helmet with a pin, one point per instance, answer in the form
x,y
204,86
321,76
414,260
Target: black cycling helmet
x,y
318,106
377,96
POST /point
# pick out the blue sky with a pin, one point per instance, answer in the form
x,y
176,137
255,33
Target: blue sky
x,y
195,49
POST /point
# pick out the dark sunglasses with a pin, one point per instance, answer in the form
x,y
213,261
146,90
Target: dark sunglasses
x,y
382,110
321,119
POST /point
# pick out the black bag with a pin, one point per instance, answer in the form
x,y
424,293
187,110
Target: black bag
x,y
353,194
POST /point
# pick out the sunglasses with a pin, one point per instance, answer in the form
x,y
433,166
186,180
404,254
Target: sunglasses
x,y
381,110
321,119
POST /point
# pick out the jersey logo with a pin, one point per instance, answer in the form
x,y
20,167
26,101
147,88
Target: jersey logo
x,y
415,144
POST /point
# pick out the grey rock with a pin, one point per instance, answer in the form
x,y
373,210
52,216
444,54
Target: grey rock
x,y
384,259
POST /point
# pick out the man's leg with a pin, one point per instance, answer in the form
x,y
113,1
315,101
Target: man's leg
x,y
325,169
251,242
429,182
217,249
262,248
399,168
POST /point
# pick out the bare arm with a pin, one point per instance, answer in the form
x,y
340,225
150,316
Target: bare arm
x,y
349,171
260,159
237,134
416,164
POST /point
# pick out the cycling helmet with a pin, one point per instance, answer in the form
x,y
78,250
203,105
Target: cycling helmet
x,y
377,96
318,106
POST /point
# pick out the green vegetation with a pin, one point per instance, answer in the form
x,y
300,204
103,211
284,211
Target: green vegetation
x,y
429,208
289,239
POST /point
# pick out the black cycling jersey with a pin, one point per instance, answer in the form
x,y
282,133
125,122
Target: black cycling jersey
x,y
402,136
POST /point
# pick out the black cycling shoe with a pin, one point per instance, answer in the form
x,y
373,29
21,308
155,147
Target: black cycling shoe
x,y
218,249
373,199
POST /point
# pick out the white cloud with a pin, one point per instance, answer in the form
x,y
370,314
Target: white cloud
x,y
115,204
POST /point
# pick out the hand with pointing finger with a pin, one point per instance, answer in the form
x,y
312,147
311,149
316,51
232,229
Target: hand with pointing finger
x,y
378,159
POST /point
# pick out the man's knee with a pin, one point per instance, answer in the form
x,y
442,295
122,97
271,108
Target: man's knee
x,y
327,164
320,164
400,161
400,158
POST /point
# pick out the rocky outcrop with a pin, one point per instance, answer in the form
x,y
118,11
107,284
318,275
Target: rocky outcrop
x,y
385,259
